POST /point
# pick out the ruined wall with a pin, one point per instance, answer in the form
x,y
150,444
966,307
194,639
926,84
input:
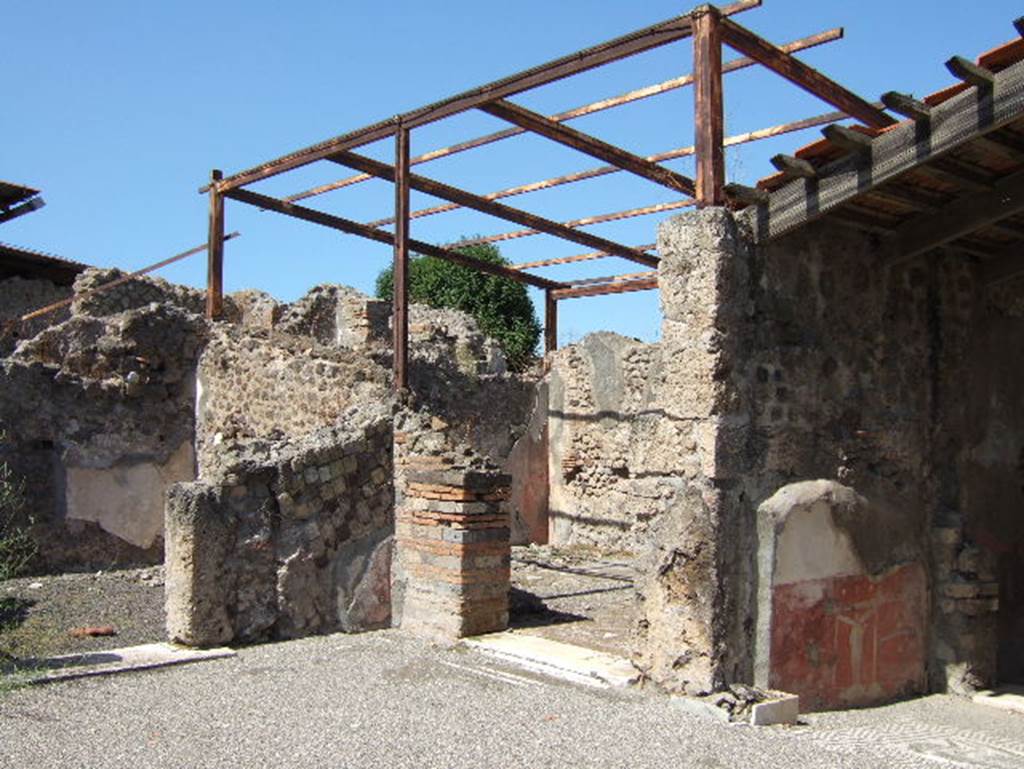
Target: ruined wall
x,y
810,358
259,384
19,296
98,414
603,490
285,539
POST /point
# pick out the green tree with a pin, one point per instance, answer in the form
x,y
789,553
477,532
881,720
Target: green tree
x,y
17,548
500,306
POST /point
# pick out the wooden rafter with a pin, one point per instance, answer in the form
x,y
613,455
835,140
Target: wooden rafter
x,y
914,147
798,73
570,137
382,236
961,217
478,203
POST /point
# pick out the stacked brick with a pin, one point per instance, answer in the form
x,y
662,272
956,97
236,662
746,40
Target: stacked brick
x,y
452,530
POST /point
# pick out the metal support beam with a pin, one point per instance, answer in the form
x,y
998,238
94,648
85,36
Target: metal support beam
x,y
707,106
478,203
550,322
663,33
381,236
400,275
572,259
612,287
798,73
215,251
629,97
577,140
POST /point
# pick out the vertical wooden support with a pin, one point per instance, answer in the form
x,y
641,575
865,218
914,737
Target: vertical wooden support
x,y
707,99
400,305
215,251
550,322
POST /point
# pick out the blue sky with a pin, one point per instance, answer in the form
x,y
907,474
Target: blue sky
x,y
118,111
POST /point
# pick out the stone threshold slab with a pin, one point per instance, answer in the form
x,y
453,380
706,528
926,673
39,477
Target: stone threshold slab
x,y
108,662
559,660
1009,697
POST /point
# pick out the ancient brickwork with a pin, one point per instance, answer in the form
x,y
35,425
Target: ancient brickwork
x,y
452,535
285,540
339,316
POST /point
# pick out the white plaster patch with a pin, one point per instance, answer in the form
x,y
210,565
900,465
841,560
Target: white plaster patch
x,y
127,501
810,546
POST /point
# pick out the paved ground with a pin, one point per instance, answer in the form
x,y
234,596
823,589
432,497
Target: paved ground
x,y
574,595
384,699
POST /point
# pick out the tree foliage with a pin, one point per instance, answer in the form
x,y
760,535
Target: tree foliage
x,y
17,548
500,306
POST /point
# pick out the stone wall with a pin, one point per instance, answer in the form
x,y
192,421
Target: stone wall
x,y
812,358
285,539
602,461
19,296
262,384
98,413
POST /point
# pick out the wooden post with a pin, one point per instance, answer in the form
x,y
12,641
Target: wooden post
x,y
550,322
400,305
215,251
707,100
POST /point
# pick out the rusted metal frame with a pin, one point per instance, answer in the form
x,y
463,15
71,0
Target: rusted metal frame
x,y
33,204
572,259
709,120
215,251
545,184
550,322
577,140
469,200
656,89
615,216
798,73
657,35
400,272
614,287
382,236
120,281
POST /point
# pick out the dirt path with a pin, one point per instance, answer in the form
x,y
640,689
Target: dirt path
x,y
37,614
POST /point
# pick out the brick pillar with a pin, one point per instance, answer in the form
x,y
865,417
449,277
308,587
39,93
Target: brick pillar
x,y
452,531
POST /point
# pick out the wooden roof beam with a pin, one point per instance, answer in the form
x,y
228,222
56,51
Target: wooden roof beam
x,y
381,236
798,73
961,217
906,105
1004,266
577,140
747,196
794,167
493,208
847,139
971,73
33,204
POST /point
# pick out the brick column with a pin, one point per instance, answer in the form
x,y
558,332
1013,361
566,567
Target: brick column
x,y
452,531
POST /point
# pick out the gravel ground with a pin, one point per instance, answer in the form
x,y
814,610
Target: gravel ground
x,y
384,699
131,600
574,595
